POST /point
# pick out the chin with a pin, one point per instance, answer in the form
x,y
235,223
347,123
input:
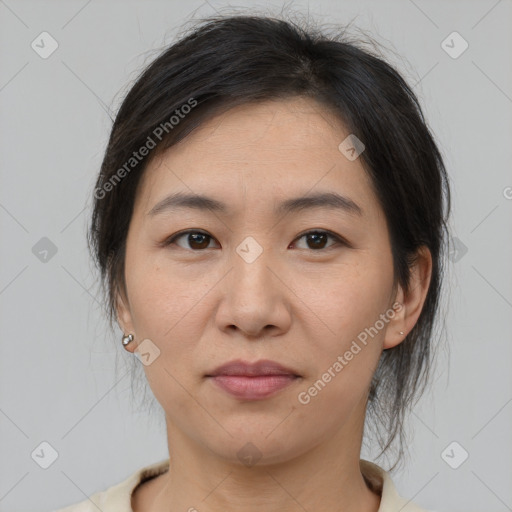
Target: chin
x,y
261,445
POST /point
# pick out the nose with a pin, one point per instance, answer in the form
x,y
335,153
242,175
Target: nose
x,y
255,301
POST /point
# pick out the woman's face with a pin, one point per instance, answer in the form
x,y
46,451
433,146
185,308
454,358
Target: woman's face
x,y
249,284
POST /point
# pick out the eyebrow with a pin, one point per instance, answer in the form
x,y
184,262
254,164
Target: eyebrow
x,y
328,200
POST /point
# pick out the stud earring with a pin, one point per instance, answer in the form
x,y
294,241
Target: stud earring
x,y
401,333
126,339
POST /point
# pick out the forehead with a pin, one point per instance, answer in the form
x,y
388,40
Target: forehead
x,y
273,127
268,148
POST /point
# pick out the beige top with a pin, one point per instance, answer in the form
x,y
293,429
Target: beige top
x,y
118,497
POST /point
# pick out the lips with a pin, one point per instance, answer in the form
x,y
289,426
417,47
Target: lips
x,y
259,368
252,381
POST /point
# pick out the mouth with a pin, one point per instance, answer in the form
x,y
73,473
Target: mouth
x,y
253,381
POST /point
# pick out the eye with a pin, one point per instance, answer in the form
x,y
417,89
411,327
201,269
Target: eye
x,y
317,239
197,240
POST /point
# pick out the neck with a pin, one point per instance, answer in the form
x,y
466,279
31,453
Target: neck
x,y
325,477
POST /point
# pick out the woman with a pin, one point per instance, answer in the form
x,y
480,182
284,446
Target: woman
x,y
269,222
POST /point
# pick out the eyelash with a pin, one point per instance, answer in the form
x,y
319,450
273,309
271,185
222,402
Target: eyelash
x,y
338,239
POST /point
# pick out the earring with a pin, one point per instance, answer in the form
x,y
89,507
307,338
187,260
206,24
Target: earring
x,y
127,338
401,333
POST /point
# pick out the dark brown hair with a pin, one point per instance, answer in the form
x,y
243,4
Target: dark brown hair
x,y
231,60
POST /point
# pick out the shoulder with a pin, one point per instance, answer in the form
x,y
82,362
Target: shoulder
x,y
118,497
380,482
92,503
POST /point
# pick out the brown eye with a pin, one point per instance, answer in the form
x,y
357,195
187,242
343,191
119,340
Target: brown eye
x,y
196,240
317,240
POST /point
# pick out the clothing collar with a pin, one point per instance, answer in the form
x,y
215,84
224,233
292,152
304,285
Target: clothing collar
x,y
118,497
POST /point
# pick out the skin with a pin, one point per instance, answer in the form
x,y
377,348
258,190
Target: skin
x,y
295,304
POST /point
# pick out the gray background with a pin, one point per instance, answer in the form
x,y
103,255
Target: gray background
x,y
63,376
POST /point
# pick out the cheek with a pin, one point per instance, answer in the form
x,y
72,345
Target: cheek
x,y
347,348
160,300
163,311
349,298
168,308
348,335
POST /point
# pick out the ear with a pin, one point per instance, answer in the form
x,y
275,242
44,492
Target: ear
x,y
412,301
124,316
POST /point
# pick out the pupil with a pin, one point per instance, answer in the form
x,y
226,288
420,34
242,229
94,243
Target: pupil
x,y
316,238
195,237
